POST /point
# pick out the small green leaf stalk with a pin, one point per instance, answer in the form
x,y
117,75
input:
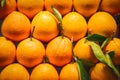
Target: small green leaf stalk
x,y
59,17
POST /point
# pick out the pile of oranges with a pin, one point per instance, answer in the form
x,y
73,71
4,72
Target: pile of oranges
x,y
35,44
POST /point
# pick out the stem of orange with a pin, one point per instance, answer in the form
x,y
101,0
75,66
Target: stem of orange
x,y
45,60
73,56
73,9
99,5
31,35
61,30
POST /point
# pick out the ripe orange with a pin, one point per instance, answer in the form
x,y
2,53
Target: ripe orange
x,y
83,51
16,26
44,71
59,51
102,23
7,52
30,52
102,72
45,26
111,6
69,72
86,7
14,72
74,25
63,6
114,45
10,6
30,7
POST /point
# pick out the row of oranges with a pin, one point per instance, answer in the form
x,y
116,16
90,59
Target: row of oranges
x,y
47,71
45,26
86,8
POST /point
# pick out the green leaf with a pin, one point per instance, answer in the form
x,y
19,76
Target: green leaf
x,y
105,42
111,65
3,3
82,72
57,14
96,38
97,51
111,54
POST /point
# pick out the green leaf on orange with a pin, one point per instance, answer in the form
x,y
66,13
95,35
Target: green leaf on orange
x,y
96,38
111,65
98,52
57,14
81,69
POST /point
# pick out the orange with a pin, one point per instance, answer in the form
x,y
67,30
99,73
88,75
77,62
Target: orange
x,y
14,72
45,26
74,25
102,23
114,45
7,52
102,72
86,7
63,6
44,71
30,52
83,51
16,26
59,51
10,6
69,72
111,6
30,7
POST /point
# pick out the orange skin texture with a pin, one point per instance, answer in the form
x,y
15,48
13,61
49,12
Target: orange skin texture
x,y
102,72
86,7
114,45
9,7
44,71
111,6
7,52
30,52
63,6
83,51
14,72
74,25
59,51
30,7
102,23
69,72
45,26
16,26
